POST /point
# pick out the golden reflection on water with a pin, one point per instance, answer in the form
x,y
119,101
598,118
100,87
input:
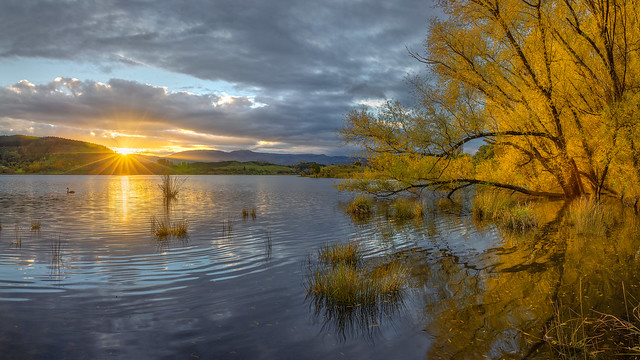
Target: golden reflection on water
x,y
119,198
124,190
501,302
130,199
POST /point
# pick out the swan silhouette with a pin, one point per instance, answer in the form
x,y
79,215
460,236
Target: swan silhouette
x,y
70,191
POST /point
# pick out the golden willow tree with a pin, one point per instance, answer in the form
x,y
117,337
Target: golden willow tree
x,y
552,85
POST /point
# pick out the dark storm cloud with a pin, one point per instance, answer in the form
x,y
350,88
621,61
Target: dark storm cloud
x,y
139,109
308,61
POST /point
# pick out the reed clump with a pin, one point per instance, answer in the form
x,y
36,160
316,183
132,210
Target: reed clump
x,y
360,206
246,213
342,278
519,217
589,216
36,225
404,209
348,253
504,210
163,228
490,205
170,186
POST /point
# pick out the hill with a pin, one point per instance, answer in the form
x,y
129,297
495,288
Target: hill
x,y
21,154
248,155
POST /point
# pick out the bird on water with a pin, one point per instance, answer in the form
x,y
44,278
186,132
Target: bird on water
x,y
70,191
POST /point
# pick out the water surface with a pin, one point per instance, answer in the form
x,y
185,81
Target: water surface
x,y
95,283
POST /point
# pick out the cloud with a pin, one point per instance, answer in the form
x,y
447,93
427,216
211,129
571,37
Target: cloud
x,y
309,62
150,116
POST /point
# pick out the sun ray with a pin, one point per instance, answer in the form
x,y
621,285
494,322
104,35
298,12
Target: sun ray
x,y
108,157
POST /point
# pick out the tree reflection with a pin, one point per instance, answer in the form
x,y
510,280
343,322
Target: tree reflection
x,y
504,298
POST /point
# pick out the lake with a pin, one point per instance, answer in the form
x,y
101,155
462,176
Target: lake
x,y
93,282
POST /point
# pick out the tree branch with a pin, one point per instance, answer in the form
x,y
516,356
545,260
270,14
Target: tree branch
x,y
462,183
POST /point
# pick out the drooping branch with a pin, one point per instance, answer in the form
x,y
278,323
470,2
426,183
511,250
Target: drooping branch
x,y
462,183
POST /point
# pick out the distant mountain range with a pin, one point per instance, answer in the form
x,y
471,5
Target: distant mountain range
x,y
248,155
21,154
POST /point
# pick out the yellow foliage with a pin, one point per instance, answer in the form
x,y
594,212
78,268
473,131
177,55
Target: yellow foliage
x,y
553,85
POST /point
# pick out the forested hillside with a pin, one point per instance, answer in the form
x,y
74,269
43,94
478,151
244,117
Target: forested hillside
x,y
29,154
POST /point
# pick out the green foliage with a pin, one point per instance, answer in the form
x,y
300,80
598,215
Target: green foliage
x,y
484,153
233,168
342,171
49,155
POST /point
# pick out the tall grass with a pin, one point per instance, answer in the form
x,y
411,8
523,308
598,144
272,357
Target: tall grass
x,y
519,217
340,284
404,209
163,228
490,205
345,285
589,216
573,334
360,206
342,279
170,186
348,253
504,210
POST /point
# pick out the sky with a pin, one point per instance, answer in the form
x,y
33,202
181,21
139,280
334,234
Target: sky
x,y
165,76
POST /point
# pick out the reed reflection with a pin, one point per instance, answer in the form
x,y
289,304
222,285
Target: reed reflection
x,y
57,262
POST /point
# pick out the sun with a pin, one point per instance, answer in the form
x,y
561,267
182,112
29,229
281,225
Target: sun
x,y
125,151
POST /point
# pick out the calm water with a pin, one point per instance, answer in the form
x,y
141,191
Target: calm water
x,y
94,283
